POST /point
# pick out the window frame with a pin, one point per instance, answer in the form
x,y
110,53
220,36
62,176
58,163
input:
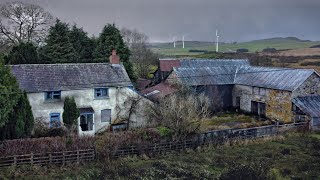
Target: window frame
x,y
102,94
52,95
109,120
52,119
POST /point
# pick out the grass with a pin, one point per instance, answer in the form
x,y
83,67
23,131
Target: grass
x,y
295,156
253,46
231,120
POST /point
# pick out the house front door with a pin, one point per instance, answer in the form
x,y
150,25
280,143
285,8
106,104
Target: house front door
x,y
86,124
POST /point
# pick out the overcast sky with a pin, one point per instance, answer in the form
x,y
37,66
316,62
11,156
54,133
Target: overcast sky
x,y
237,20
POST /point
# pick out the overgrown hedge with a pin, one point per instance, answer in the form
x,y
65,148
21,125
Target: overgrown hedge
x,y
45,145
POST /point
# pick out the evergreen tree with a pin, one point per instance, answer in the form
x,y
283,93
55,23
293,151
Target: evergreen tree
x,y
24,53
82,44
70,112
109,39
58,48
9,93
20,123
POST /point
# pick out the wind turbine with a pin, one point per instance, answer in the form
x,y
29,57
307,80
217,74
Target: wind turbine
x,y
183,36
217,41
174,41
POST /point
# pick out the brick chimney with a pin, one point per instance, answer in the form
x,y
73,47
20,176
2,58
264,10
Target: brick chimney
x,y
114,58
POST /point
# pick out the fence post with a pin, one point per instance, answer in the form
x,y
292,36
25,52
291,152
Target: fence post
x,y
15,160
31,159
63,158
78,156
50,158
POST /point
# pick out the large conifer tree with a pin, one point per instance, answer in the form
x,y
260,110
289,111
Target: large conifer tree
x,y
58,48
110,38
82,44
24,53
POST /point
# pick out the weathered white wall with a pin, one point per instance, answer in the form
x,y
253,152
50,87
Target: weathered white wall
x,y
85,98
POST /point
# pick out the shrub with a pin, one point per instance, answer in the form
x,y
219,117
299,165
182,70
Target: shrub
x,y
45,145
164,131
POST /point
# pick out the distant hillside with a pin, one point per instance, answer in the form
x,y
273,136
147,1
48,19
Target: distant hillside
x,y
253,46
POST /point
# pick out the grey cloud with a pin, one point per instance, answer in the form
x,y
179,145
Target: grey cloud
x,y
237,20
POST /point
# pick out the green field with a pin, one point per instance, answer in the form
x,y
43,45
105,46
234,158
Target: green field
x,y
294,156
167,49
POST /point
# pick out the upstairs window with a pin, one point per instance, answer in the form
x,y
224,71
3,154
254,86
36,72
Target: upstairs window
x,y
54,120
101,92
53,95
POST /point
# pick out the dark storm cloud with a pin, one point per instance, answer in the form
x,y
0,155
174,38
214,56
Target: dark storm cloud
x,y
237,20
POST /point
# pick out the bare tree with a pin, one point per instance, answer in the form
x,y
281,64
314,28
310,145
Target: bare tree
x,y
130,108
22,22
181,112
141,55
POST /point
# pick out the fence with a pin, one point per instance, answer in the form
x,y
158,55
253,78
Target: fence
x,y
212,137
63,158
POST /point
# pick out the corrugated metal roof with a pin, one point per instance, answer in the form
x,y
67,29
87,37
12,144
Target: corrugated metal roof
x,y
199,63
308,104
207,75
273,78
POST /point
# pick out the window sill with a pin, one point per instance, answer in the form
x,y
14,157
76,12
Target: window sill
x,y
52,100
101,98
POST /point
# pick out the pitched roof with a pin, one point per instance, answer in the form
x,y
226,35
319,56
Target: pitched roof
x,y
168,64
308,104
50,77
273,78
158,91
207,75
199,63
143,83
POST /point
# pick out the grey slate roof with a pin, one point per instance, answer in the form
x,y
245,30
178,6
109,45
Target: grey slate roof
x,y
54,77
309,105
273,78
199,63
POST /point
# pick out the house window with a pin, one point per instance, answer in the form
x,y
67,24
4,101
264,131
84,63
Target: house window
x,y
101,92
258,108
55,120
86,122
53,95
106,115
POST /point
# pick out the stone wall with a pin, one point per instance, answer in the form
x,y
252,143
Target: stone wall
x,y
310,86
278,103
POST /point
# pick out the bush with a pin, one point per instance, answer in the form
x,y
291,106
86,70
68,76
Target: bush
x,y
164,131
269,50
242,50
45,145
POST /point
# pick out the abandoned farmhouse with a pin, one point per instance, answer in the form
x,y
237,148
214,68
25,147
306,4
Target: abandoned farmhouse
x,y
283,94
99,89
102,89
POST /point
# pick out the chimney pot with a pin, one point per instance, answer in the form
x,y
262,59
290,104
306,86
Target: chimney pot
x,y
114,58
